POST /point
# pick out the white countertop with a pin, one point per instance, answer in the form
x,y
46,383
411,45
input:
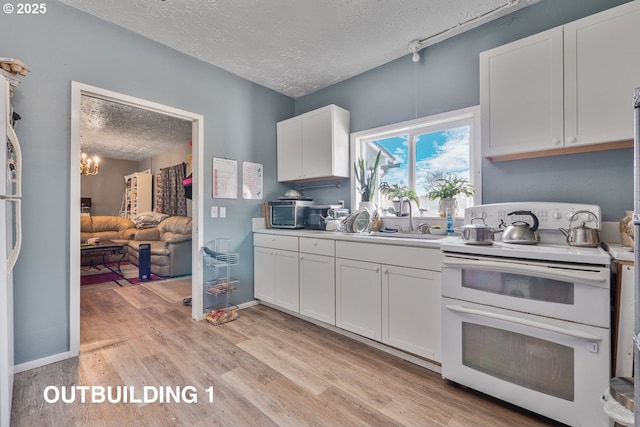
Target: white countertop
x,y
374,238
617,251
621,253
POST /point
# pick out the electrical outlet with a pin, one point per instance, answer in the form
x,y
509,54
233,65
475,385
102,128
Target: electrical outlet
x,y
223,212
214,212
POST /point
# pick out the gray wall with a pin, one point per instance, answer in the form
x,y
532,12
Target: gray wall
x,y
106,188
447,78
65,45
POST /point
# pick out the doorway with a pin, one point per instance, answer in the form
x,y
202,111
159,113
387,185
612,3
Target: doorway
x,y
78,91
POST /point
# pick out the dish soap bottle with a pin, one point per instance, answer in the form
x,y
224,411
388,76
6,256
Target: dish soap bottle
x,y
449,213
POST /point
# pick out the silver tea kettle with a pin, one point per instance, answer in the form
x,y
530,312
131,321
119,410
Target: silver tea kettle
x,y
582,235
521,232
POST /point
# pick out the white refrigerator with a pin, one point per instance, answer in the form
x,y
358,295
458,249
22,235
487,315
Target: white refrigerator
x,y
11,233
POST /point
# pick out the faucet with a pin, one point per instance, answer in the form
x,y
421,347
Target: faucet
x,y
406,199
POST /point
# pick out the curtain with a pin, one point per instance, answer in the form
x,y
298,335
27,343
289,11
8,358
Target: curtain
x,y
173,200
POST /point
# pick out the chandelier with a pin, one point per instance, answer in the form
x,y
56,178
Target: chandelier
x,y
85,165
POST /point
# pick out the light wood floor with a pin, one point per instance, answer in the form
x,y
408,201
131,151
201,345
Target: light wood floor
x,y
266,368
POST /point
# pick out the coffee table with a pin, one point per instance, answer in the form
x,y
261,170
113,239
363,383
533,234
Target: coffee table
x,y
104,247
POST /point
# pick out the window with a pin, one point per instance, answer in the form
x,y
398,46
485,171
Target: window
x,y
417,152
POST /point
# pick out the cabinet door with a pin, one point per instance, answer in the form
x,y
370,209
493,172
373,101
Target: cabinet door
x,y
317,140
317,287
626,321
411,310
521,95
285,264
359,297
289,149
263,274
602,68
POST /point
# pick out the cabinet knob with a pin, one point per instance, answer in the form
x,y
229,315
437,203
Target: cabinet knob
x,y
301,257
377,269
555,141
386,271
315,243
572,139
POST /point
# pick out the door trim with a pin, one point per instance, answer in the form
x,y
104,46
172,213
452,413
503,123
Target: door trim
x,y
77,90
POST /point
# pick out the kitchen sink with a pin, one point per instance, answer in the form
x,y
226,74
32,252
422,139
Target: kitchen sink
x,y
408,235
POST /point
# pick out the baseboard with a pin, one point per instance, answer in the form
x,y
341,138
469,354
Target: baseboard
x,y
248,304
43,362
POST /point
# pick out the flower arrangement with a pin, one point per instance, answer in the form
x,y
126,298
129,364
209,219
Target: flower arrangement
x,y
393,192
449,187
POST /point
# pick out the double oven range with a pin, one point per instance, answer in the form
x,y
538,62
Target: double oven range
x,y
530,323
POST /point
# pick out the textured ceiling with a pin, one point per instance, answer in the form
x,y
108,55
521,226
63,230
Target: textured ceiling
x,y
296,46
117,131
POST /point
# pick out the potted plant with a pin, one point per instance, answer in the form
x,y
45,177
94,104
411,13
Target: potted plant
x,y
395,193
446,189
367,178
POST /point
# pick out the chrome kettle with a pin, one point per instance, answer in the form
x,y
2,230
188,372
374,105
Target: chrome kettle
x,y
521,232
582,235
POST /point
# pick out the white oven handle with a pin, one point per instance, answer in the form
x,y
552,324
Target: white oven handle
x,y
570,332
598,277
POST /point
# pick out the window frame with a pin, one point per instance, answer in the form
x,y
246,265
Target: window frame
x,y
469,115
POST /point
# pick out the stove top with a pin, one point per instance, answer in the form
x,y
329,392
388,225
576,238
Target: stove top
x,y
552,247
539,252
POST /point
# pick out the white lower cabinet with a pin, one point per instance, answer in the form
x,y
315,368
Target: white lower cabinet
x,y
359,297
411,310
263,275
276,277
317,287
626,320
286,280
387,293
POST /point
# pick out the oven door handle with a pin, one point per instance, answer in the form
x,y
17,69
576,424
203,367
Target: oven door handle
x,y
532,323
593,277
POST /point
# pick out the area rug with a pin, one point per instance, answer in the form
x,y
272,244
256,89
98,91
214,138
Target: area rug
x,y
108,274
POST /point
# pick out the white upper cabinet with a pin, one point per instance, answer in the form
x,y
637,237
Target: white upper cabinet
x,y
289,149
568,86
314,145
521,95
601,71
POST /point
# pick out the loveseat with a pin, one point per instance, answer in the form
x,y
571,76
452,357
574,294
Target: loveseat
x,y
170,246
114,228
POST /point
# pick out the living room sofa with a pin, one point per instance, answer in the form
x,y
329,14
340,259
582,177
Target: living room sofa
x,y
170,246
106,227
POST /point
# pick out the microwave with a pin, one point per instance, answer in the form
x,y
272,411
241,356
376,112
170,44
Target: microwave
x,y
289,213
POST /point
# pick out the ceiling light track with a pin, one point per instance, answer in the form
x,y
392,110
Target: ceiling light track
x,y
415,46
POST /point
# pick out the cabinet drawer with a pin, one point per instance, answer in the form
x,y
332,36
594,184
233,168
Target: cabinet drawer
x,y
317,246
403,256
287,243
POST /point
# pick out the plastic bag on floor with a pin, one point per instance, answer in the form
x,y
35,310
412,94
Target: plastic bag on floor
x,y
616,411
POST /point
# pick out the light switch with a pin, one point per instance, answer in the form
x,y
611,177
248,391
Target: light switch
x,y
223,212
214,212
